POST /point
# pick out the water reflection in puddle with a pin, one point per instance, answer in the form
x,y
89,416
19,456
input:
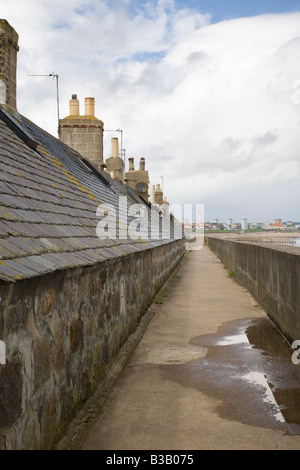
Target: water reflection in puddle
x,y
234,339
282,376
249,369
260,379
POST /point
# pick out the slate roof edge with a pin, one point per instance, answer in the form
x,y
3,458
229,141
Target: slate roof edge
x,y
45,258
74,154
14,125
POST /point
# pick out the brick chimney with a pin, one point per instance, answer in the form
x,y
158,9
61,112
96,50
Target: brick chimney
x,y
8,66
83,133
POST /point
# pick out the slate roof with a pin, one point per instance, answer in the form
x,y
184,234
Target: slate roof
x,y
49,195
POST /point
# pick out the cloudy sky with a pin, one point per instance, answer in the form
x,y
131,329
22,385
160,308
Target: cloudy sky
x,y
207,91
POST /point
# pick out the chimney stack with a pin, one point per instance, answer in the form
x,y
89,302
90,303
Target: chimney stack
x,y
8,65
158,195
138,180
115,164
83,133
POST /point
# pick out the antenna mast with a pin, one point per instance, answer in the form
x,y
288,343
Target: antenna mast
x,y
57,94
162,180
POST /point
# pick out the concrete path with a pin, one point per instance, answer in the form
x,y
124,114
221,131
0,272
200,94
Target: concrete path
x,y
188,385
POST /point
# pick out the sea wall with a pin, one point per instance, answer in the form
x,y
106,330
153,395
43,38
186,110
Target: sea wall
x,y
61,334
270,273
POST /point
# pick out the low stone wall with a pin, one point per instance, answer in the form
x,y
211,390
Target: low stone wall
x,y
62,332
270,273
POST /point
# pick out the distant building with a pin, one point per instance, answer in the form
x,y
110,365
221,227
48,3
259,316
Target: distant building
x,y
244,224
277,224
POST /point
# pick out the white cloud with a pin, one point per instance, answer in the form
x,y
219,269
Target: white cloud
x,y
212,107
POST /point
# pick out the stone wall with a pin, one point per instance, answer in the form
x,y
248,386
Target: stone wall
x,y
271,275
62,332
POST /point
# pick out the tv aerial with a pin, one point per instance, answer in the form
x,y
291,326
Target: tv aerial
x,y
55,76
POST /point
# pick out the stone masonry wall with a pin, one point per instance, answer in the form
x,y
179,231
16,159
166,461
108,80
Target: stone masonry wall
x,y
62,331
85,135
271,275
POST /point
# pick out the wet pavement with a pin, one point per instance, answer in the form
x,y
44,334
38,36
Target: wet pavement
x,y
210,372
249,361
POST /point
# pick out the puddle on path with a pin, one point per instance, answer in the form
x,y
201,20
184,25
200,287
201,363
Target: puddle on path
x,y
249,368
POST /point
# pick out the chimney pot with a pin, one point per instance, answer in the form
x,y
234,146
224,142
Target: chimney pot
x,y
74,106
90,106
115,147
131,164
142,164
